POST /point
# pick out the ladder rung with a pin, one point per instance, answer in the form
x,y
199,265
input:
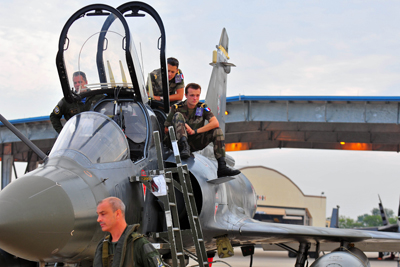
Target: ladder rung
x,y
179,254
190,194
175,229
195,217
172,204
201,240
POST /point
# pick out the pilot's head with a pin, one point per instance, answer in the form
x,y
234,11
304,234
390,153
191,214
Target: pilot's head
x,y
173,65
80,81
192,94
111,214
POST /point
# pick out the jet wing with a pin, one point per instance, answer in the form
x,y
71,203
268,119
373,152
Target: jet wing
x,y
328,238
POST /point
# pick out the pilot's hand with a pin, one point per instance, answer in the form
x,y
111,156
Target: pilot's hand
x,y
189,130
157,98
165,130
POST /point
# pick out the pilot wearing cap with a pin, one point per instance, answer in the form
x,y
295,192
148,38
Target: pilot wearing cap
x,y
176,82
68,110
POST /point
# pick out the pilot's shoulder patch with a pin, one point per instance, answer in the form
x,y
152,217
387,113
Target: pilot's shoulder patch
x,y
178,105
207,109
155,74
158,262
56,110
178,78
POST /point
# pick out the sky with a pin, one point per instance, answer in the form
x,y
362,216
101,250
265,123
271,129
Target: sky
x,y
341,48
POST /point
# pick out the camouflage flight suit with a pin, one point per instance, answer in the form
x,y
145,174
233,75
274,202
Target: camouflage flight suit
x,y
195,118
70,110
174,84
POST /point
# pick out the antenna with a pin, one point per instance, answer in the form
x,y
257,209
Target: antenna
x,y
123,74
112,79
150,86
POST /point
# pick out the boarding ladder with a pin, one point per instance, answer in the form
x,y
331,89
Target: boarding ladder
x,y
174,232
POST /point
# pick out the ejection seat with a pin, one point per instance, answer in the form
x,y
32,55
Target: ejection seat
x,y
131,119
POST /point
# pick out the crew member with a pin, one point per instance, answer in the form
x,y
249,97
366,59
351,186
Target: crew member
x,y
124,246
176,82
188,119
69,110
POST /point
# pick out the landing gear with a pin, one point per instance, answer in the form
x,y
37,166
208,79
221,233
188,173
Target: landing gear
x,y
302,254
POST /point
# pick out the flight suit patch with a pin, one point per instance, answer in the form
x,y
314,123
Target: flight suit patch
x,y
157,262
199,112
73,111
178,78
57,110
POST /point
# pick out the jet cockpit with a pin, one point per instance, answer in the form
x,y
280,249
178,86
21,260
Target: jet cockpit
x,y
93,135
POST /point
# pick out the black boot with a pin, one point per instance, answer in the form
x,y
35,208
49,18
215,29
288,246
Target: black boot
x,y
184,147
224,170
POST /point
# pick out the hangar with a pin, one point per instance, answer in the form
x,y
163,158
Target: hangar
x,y
280,200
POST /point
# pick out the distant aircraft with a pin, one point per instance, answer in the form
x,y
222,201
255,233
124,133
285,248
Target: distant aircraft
x,y
335,218
387,227
49,215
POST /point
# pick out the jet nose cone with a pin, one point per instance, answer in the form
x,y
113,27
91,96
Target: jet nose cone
x,y
36,218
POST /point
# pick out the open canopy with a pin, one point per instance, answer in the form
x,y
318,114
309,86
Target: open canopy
x,y
100,47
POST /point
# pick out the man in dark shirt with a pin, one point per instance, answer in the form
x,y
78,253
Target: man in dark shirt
x,y
124,246
68,110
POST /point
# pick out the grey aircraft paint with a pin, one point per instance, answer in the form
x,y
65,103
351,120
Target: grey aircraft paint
x,y
49,215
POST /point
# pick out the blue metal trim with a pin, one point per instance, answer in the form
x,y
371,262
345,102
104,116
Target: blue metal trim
x,y
312,98
27,120
266,98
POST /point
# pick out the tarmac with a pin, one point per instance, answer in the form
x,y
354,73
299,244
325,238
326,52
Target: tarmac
x,y
280,259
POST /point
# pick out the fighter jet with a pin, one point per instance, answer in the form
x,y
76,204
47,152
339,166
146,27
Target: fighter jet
x,y
49,215
387,227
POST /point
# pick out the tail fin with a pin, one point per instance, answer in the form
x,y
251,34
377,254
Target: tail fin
x,y
383,212
216,93
335,218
